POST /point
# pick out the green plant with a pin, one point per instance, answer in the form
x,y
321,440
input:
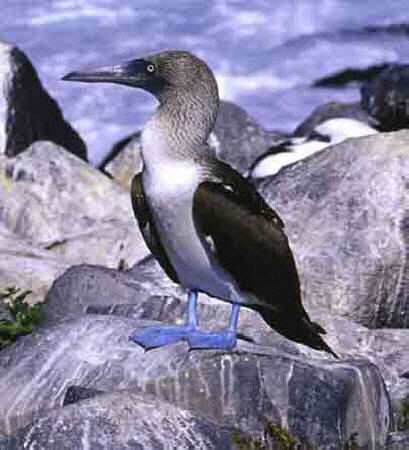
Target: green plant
x,y
23,317
273,436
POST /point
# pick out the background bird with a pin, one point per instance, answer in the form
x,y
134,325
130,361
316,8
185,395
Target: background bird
x,y
206,225
327,133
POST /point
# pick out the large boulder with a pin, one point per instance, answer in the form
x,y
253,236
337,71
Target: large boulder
x,y
122,421
57,202
346,212
145,293
27,111
321,402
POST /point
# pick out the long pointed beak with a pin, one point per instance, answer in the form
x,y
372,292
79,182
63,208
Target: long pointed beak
x,y
131,73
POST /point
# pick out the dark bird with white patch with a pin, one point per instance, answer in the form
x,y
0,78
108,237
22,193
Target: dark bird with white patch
x,y
206,225
294,149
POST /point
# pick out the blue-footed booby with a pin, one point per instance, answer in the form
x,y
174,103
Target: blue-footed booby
x,y
327,133
206,225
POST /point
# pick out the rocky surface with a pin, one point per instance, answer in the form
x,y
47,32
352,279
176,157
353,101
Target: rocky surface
x,y
145,293
347,218
124,161
26,266
319,401
386,98
398,441
58,203
126,420
27,112
239,139
333,110
236,138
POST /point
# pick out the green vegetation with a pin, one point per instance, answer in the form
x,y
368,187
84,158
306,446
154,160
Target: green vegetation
x,y
21,317
273,436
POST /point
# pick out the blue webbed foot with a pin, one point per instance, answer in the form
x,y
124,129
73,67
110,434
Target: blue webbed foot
x,y
212,340
156,336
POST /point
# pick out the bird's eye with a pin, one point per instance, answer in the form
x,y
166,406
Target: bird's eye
x,y
150,68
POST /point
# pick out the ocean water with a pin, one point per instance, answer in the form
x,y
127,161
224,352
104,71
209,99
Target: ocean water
x,y
266,54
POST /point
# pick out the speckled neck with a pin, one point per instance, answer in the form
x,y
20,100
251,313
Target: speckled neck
x,y
180,125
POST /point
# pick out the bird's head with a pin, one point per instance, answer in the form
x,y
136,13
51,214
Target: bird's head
x,y
166,75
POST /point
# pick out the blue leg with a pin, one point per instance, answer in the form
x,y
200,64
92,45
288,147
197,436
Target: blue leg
x,y
213,340
156,336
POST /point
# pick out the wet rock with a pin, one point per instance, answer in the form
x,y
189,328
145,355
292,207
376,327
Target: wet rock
x,y
333,110
322,402
386,98
58,203
27,112
239,139
352,75
347,218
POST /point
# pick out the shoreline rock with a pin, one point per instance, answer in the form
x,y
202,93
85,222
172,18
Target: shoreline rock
x,y
241,389
346,215
27,112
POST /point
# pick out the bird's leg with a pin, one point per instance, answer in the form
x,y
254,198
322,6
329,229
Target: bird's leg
x,y
212,340
156,336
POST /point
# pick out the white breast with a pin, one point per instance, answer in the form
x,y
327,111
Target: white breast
x,y
169,185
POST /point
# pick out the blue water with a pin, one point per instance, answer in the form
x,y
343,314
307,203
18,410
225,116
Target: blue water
x,y
265,53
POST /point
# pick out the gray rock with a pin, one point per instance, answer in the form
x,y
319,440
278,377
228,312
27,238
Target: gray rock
x,y
8,443
236,138
121,421
75,394
57,202
144,292
239,138
322,402
124,161
333,110
26,266
398,441
388,349
386,98
346,212
27,112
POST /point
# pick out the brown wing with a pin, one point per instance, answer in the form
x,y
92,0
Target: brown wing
x,y
147,227
249,242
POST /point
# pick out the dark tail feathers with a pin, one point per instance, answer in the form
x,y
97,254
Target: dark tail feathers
x,y
313,338
298,328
